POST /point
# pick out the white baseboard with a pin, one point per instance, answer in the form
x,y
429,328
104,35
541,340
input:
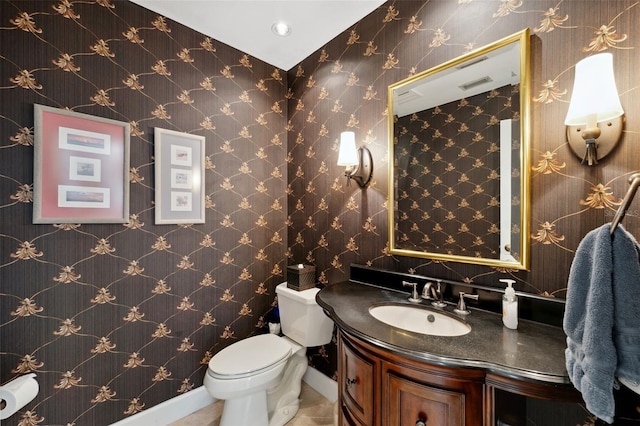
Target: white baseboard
x,y
324,385
182,405
170,410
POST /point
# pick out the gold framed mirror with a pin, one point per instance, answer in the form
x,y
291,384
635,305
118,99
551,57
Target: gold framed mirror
x,y
459,139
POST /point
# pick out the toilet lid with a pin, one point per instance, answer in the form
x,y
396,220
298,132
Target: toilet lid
x,y
250,355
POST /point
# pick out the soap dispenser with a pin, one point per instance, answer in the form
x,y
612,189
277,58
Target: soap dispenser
x,y
509,305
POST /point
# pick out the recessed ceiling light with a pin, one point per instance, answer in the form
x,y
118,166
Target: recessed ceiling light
x,y
281,29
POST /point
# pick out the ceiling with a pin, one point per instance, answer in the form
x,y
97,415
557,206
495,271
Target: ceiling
x,y
246,24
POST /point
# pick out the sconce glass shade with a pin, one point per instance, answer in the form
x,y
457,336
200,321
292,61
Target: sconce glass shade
x,y
595,117
358,162
594,91
348,155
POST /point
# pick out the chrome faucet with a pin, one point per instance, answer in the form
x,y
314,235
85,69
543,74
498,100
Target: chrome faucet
x,y
429,292
414,298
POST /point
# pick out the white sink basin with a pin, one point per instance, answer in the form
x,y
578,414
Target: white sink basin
x,y
419,320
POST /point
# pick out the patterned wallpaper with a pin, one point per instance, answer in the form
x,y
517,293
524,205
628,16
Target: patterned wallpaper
x,y
448,175
343,87
115,319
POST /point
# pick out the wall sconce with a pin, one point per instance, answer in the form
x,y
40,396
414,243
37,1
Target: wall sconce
x,y
595,117
358,162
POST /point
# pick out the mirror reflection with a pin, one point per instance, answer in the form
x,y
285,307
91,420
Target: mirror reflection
x,y
459,135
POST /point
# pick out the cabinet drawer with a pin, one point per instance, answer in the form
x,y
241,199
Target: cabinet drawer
x,y
409,402
356,373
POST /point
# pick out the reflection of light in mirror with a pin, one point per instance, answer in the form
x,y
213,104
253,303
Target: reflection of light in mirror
x,y
509,129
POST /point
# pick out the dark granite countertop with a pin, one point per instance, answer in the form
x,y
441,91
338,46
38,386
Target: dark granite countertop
x,y
534,351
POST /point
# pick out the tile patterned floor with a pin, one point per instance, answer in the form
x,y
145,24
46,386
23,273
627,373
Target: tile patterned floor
x,y
315,410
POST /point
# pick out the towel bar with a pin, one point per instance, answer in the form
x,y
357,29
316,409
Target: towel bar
x,y
634,182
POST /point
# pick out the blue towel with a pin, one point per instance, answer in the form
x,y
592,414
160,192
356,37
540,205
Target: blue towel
x,y
602,317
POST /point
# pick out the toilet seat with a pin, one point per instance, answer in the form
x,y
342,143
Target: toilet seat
x,y
249,356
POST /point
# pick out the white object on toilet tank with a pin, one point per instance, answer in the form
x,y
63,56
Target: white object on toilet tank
x,y
301,318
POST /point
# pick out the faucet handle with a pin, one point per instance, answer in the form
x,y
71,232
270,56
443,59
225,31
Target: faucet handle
x,y
462,306
439,302
414,298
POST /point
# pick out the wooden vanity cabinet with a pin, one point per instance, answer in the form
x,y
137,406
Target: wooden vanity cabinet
x,y
358,377
377,387
413,395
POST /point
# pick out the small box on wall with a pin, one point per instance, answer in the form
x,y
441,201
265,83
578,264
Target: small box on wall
x,y
301,277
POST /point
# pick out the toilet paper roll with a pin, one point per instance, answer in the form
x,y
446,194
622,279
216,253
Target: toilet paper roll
x,y
16,394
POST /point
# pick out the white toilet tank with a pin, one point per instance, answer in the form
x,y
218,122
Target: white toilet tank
x,y
301,318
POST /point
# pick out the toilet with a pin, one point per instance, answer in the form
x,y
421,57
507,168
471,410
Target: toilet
x,y
259,378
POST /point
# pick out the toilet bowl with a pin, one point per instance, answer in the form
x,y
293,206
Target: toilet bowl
x,y
235,369
260,377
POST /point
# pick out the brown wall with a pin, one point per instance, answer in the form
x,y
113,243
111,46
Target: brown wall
x,y
50,325
343,87
198,288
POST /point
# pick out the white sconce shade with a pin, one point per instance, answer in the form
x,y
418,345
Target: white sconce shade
x,y
595,117
594,91
348,155
358,162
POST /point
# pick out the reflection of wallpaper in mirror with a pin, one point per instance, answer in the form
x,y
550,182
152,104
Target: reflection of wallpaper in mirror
x,y
448,175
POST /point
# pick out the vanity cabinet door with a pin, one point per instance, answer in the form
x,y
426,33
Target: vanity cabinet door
x,y
417,392
379,387
357,372
347,420
411,403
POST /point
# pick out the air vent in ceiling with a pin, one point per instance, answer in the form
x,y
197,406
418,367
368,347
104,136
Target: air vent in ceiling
x,y
471,63
406,96
475,83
